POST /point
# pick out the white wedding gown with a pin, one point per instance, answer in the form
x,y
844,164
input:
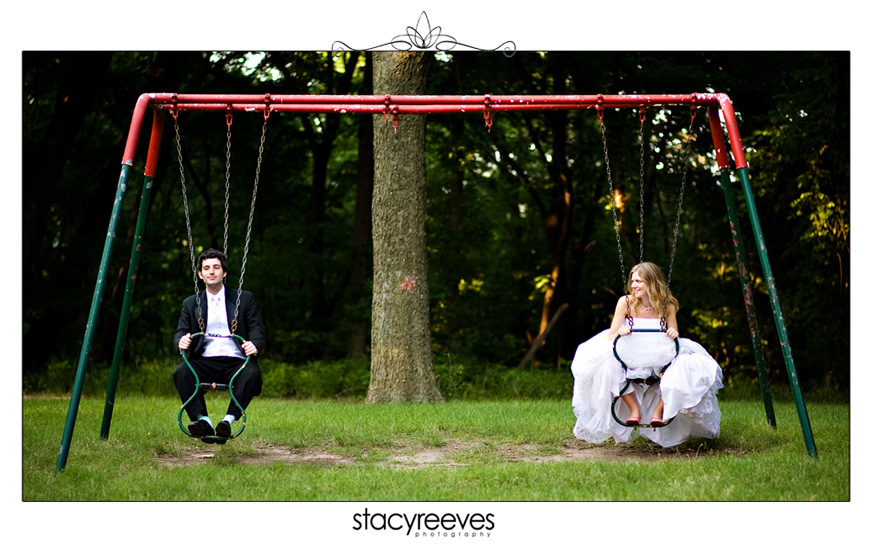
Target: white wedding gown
x,y
689,387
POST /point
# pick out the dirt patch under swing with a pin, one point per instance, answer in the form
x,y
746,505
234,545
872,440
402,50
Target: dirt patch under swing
x,y
453,454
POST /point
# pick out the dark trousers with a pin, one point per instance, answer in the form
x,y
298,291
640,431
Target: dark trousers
x,y
219,370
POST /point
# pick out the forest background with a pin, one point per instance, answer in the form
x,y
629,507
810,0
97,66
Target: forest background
x,y
519,220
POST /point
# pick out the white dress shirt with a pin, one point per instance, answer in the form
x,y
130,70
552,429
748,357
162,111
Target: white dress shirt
x,y
217,323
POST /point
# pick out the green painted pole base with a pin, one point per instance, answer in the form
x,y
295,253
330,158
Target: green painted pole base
x,y
76,395
776,311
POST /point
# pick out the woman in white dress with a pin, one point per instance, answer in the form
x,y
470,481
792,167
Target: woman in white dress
x,y
682,405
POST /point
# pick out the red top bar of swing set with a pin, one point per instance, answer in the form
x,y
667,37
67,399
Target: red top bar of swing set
x,y
427,104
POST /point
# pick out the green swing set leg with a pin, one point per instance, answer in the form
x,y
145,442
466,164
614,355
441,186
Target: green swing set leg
x,y
145,196
197,388
747,190
801,409
76,394
78,381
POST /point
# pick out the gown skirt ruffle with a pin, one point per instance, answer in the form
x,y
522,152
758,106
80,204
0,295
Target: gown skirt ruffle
x,y
689,387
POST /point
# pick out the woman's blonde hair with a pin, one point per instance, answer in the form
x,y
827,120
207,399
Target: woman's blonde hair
x,y
657,289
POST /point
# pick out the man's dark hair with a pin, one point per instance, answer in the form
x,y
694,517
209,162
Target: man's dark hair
x,y
210,254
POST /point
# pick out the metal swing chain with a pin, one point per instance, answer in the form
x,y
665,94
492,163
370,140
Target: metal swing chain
x,y
692,138
251,216
641,117
229,118
200,319
674,244
611,188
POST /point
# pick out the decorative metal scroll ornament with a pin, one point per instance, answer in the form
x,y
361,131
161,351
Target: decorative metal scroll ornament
x,y
426,37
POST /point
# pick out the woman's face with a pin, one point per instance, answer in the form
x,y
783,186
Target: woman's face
x,y
639,287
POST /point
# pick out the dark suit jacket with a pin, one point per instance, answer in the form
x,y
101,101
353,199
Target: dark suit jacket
x,y
249,324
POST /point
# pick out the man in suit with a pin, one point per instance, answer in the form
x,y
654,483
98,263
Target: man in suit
x,y
217,358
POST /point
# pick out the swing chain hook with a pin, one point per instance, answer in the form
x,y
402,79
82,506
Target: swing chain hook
x,y
693,107
267,109
395,119
174,107
487,112
387,108
391,111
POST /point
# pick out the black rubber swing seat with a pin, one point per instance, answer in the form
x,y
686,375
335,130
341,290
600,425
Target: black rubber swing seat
x,y
212,386
650,381
639,425
209,386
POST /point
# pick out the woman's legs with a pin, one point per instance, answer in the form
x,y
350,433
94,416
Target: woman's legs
x,y
635,411
632,403
657,412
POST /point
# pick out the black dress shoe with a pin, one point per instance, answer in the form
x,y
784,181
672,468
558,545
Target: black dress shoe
x,y
200,428
223,429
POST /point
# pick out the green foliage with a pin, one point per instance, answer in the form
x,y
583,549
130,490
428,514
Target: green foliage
x,y
316,379
484,381
343,379
56,378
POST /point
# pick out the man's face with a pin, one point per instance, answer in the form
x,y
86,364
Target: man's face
x,y
211,272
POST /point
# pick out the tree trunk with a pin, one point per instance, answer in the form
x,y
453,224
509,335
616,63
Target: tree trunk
x,y
401,356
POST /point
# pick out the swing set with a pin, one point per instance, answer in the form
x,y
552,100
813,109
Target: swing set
x,y
721,115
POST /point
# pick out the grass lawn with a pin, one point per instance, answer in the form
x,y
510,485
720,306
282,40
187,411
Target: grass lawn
x,y
456,451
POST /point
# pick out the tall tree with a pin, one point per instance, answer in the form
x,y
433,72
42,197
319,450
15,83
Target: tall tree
x,y
401,356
